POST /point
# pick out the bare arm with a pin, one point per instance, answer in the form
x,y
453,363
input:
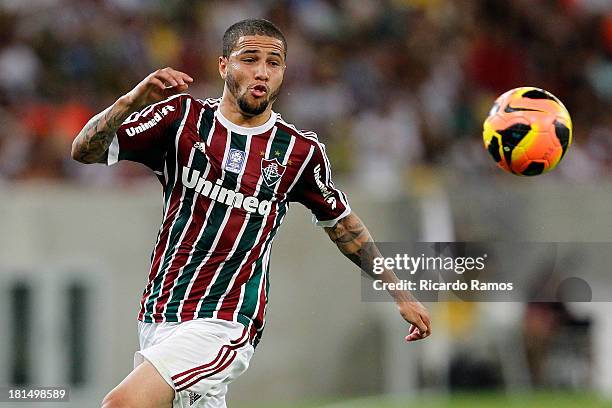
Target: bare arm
x,y
351,236
92,142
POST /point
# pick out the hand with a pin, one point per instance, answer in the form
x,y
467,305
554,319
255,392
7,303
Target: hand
x,y
418,317
156,87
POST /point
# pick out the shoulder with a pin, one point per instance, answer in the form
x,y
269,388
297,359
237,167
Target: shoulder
x,y
208,103
306,136
181,101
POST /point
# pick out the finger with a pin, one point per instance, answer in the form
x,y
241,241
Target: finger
x,y
427,323
178,76
420,324
185,77
423,328
165,77
173,90
158,83
181,88
413,333
414,337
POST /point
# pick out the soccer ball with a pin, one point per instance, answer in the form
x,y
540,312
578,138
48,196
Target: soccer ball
x,y
528,131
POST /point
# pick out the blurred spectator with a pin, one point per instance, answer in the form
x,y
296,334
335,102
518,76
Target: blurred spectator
x,y
387,85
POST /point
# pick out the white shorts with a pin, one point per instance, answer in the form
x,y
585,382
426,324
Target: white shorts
x,y
198,358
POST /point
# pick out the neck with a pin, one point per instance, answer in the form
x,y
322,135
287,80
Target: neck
x,y
229,108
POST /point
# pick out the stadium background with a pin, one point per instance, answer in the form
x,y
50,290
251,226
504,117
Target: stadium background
x,y
397,90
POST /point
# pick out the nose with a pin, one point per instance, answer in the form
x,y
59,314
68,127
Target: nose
x,y
262,71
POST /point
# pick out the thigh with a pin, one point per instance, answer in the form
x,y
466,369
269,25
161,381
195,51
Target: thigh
x,y
144,387
201,358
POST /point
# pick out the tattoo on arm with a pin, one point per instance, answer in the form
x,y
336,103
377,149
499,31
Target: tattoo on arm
x,y
355,242
92,143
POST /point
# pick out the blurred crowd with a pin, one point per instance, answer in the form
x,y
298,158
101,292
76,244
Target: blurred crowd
x,y
390,86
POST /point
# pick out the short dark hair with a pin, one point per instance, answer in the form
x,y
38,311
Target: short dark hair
x,y
250,27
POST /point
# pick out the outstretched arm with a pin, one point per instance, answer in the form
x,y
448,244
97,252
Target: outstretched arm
x,y
351,236
92,143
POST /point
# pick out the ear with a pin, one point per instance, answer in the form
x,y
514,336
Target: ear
x,y
223,67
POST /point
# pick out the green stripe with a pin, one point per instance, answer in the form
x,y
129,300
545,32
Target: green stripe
x,y
198,162
205,127
251,290
172,153
208,236
278,149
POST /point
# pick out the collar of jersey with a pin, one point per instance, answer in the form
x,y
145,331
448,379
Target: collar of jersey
x,y
241,130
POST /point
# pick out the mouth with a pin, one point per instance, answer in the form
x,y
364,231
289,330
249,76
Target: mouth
x,y
259,91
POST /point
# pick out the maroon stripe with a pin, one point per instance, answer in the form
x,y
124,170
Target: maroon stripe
x,y
216,150
229,304
239,342
218,370
229,235
160,247
218,360
250,179
252,332
185,146
259,317
224,352
297,157
206,271
241,338
252,168
183,250
197,223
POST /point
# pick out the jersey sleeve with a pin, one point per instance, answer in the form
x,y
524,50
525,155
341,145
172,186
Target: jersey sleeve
x,y
315,189
144,136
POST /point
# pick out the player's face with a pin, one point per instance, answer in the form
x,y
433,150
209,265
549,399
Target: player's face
x,y
254,71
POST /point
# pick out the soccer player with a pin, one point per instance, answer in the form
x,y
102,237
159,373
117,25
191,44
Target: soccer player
x,y
229,168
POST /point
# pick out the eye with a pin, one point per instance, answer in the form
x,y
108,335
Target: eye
x,y
275,63
248,59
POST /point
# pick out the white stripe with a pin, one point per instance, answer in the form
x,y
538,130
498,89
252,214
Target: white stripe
x,y
191,252
204,225
176,143
331,223
257,238
289,150
328,176
178,134
299,173
188,225
178,244
236,242
212,102
305,133
242,288
265,270
165,174
149,109
239,236
113,151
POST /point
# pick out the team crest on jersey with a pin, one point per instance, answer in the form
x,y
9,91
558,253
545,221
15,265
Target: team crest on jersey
x,y
272,171
235,160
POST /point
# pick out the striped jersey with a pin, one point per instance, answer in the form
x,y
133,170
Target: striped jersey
x,y
226,191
